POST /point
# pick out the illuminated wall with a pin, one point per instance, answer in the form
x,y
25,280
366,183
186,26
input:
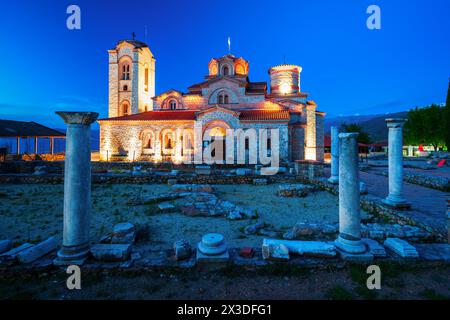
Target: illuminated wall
x,y
285,79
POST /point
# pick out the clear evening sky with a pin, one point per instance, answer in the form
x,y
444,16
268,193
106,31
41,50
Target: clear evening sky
x,y
347,68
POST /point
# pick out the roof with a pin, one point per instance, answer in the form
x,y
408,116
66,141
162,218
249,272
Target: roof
x,y
157,116
10,128
264,115
190,115
256,87
137,44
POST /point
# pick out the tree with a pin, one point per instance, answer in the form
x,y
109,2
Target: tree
x,y
363,136
447,119
426,126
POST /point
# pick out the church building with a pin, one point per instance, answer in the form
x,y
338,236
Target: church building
x,y
143,126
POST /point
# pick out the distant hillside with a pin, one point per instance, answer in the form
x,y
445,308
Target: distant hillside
x,y
338,121
375,125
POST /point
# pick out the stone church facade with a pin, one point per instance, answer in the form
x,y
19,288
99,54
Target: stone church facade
x,y
148,127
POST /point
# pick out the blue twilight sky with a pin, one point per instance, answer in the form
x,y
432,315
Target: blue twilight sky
x,y
347,68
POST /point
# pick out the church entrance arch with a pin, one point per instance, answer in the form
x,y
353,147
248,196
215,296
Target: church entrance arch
x,y
217,130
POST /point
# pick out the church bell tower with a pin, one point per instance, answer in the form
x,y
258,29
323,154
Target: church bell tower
x,y
131,78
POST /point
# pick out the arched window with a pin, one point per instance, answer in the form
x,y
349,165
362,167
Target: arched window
x,y
124,109
173,104
126,71
225,71
146,80
168,143
223,98
148,141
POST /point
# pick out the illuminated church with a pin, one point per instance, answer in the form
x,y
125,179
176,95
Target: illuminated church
x,y
147,127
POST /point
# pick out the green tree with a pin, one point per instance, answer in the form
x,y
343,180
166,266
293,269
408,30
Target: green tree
x,y
363,137
426,126
447,119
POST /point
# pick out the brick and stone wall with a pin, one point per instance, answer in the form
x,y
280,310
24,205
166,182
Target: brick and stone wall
x,y
320,136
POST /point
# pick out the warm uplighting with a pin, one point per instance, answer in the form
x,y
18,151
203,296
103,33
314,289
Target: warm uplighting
x,y
310,153
285,88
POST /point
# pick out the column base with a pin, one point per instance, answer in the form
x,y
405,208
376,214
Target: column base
x,y
74,255
333,180
396,202
350,246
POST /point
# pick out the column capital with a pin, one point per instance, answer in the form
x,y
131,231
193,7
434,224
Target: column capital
x,y
75,117
395,122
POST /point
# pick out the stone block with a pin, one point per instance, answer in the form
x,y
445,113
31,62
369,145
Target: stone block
x,y
376,234
401,247
5,245
223,257
203,170
166,207
40,170
37,251
362,258
306,248
269,171
182,249
206,188
234,215
111,252
293,190
247,252
243,172
254,228
12,254
260,182
362,188
374,248
123,228
275,252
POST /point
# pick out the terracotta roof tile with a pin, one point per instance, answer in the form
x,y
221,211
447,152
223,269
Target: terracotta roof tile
x,y
157,116
264,115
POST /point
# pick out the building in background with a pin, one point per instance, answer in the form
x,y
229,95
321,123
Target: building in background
x,y
145,126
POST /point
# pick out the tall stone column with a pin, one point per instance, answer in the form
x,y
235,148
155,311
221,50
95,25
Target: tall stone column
x,y
334,155
310,138
349,239
77,187
395,154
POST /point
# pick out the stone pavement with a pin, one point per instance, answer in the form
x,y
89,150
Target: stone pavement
x,y
428,206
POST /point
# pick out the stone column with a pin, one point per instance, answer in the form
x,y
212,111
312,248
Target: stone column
x,y
310,138
77,188
395,154
334,155
349,239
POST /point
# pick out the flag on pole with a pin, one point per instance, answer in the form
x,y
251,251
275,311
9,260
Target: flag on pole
x,y
229,44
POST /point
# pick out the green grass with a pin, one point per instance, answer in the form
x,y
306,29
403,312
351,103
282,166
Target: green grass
x,y
339,293
365,293
430,294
